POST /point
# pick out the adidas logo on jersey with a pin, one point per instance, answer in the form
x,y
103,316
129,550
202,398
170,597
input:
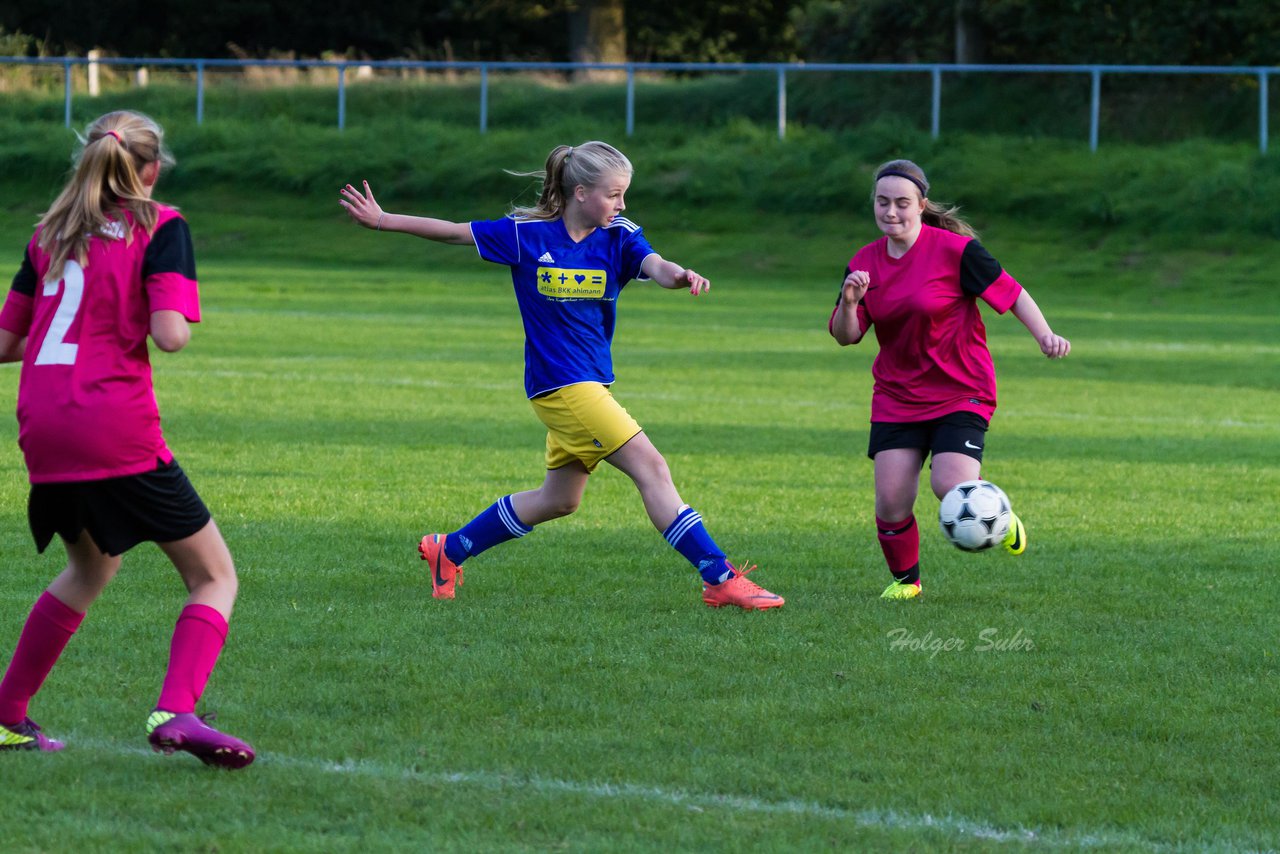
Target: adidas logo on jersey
x,y
546,258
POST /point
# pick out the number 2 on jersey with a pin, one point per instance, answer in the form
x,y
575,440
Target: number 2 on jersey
x,y
54,350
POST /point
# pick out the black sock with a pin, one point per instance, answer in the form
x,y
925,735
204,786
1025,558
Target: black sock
x,y
908,576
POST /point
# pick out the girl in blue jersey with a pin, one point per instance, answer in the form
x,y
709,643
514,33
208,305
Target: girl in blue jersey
x,y
570,255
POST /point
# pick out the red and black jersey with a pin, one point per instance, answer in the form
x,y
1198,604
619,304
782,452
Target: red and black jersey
x,y
933,357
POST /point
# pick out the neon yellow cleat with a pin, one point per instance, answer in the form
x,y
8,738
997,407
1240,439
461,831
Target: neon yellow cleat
x,y
899,590
1015,542
26,736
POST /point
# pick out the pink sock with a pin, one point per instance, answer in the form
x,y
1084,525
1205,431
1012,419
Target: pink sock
x,y
900,542
197,641
44,637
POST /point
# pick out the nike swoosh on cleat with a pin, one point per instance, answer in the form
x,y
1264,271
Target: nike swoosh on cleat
x,y
440,582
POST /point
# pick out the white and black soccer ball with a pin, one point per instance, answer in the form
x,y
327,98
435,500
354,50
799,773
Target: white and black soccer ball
x,y
975,515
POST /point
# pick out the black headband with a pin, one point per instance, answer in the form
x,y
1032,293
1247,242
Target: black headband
x,y
924,191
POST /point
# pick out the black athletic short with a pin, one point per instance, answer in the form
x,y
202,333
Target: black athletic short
x,y
157,506
958,432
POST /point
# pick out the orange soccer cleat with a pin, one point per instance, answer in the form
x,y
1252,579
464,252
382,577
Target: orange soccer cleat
x,y
444,572
740,591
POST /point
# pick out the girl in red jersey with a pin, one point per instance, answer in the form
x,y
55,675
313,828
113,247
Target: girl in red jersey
x,y
106,268
935,385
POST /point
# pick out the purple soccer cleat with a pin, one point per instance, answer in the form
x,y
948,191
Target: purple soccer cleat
x,y
168,732
26,736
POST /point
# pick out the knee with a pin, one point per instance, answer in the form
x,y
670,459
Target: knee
x,y
655,472
228,581
941,482
94,575
561,507
103,572
218,574
894,508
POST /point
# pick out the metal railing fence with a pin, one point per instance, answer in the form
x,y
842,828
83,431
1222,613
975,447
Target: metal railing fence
x,y
935,71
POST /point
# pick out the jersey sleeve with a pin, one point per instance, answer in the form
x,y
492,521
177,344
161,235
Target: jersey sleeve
x,y
982,276
635,248
169,271
497,241
16,314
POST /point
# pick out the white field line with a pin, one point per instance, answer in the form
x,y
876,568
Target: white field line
x,y
878,819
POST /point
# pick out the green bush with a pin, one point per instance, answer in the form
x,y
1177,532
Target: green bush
x,y
416,142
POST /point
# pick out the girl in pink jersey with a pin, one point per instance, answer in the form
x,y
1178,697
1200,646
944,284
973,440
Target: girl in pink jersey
x,y
106,268
935,385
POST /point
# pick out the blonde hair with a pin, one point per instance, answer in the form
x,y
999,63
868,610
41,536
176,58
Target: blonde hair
x,y
106,181
569,166
939,216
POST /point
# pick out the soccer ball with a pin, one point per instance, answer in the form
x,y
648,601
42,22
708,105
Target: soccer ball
x,y
974,515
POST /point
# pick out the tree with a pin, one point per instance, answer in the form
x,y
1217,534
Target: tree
x,y
968,33
875,30
598,33
712,31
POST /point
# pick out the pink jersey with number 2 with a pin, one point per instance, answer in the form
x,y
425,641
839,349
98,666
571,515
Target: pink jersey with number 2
x,y
86,406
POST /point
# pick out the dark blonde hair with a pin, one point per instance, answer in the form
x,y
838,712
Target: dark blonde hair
x,y
106,181
939,216
567,167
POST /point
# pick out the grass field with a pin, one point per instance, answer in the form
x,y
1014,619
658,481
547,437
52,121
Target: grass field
x,y
1112,689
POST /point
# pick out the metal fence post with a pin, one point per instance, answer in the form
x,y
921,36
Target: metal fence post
x,y
1263,105
484,98
199,92
782,103
66,90
631,99
935,109
1095,101
95,85
342,96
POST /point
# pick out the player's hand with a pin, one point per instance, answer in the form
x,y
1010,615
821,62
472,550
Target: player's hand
x,y
695,283
1054,346
362,207
855,287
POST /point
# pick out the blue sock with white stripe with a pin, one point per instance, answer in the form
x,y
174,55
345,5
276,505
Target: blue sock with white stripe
x,y
689,536
495,525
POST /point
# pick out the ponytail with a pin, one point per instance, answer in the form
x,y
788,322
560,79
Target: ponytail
x,y
106,182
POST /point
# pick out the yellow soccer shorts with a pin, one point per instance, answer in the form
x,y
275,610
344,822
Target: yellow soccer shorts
x,y
584,423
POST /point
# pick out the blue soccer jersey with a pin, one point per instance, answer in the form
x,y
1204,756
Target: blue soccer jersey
x,y
567,293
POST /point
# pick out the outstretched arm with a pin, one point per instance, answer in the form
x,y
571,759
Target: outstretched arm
x,y
1026,310
364,209
668,274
